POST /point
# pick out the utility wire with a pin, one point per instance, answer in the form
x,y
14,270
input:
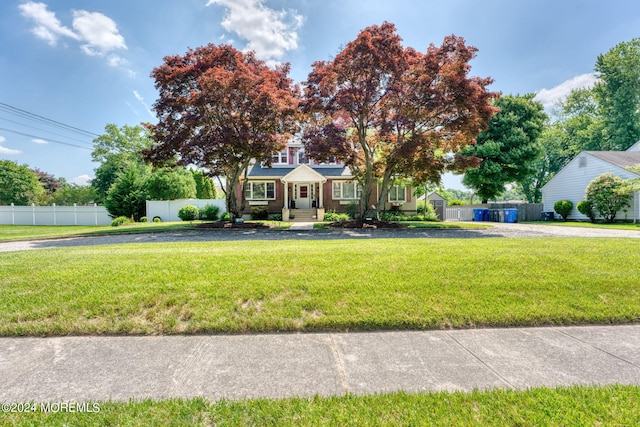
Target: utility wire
x,y
48,131
26,114
47,139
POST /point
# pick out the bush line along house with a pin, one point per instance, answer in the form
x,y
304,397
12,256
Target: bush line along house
x,y
571,181
296,185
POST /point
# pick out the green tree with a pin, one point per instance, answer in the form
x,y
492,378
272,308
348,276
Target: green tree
x,y
204,186
127,196
508,147
116,150
19,185
69,194
171,184
618,94
607,194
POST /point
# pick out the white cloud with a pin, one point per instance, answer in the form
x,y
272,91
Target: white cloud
x,y
98,33
39,141
7,151
47,27
82,180
268,32
144,104
551,97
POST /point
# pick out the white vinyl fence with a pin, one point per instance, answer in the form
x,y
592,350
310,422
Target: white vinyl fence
x,y
167,210
54,215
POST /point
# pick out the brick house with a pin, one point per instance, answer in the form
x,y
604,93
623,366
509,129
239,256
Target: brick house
x,y
299,186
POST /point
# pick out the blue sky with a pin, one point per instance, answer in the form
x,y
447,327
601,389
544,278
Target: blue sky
x,y
86,63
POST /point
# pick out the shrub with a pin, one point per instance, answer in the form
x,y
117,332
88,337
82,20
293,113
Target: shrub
x,y
259,212
393,216
276,217
455,202
209,213
157,219
333,216
121,220
188,213
144,219
563,208
225,216
586,208
608,194
431,212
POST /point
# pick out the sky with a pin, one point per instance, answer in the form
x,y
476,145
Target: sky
x,y
70,67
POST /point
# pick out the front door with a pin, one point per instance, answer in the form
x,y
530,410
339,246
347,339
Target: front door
x,y
303,196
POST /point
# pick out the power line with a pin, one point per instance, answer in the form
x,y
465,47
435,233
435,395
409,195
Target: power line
x,y
32,116
48,131
47,139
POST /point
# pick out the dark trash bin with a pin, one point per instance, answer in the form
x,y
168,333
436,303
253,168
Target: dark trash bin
x,y
548,216
511,215
494,215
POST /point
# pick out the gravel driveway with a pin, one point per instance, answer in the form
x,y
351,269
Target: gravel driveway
x,y
498,230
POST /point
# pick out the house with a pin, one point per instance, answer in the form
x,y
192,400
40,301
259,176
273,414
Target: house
x,y
571,181
296,185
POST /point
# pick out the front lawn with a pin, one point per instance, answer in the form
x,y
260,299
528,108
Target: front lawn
x,y
615,226
260,286
564,406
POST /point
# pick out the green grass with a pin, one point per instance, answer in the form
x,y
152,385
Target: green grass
x,y
565,406
377,284
615,226
22,232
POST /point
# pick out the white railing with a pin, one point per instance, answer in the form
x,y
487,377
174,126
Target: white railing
x,y
54,215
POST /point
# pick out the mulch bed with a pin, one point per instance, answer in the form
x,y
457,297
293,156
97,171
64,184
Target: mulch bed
x,y
233,225
365,224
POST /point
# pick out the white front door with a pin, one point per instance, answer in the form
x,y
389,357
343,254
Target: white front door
x,y
303,196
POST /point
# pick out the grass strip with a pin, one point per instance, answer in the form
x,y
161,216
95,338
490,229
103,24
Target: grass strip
x,y
265,286
565,406
615,226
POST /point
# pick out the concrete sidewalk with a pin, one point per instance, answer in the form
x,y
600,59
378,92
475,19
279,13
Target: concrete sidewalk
x,y
283,365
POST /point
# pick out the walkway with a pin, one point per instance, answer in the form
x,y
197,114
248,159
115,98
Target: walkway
x,y
283,365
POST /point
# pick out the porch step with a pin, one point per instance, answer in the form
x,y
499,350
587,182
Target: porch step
x,y
303,215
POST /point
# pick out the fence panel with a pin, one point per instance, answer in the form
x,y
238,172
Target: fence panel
x,y
54,215
526,211
167,210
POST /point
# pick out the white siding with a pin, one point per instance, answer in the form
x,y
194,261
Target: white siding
x,y
572,181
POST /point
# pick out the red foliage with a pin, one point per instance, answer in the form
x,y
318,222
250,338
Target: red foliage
x,y
220,108
400,112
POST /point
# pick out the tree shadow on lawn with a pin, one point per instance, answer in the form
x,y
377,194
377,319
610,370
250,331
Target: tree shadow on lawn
x,y
245,234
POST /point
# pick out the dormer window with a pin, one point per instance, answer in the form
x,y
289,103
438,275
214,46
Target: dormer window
x,y
302,157
280,158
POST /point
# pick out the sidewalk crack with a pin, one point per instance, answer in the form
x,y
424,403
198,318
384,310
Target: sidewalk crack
x,y
338,359
475,356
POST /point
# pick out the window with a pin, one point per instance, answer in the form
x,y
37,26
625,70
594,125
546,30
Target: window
x,y
302,157
261,190
582,163
346,190
397,194
280,158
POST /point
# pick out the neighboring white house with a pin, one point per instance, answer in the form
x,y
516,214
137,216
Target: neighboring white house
x,y
572,180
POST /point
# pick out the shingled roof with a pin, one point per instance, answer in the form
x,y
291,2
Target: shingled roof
x,y
622,159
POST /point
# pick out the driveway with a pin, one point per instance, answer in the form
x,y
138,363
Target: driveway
x,y
498,230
